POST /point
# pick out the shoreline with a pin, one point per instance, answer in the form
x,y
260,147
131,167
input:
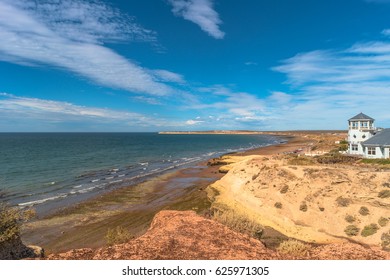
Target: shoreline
x,y
86,224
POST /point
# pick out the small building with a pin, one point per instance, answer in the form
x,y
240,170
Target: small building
x,y
366,140
378,146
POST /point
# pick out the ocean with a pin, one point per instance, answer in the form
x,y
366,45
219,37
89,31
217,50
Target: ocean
x,y
52,170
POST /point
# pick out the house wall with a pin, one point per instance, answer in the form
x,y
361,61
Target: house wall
x,y
357,137
387,152
379,152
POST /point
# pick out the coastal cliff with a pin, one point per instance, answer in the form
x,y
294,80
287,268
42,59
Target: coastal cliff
x,y
185,235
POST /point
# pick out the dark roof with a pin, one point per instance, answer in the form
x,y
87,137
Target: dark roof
x,y
361,117
382,138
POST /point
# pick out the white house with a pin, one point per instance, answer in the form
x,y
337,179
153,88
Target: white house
x,y
366,140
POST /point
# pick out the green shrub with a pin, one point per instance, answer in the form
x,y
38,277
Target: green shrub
x,y
343,202
383,221
351,230
384,194
369,230
350,219
10,221
294,249
303,206
375,161
118,235
364,211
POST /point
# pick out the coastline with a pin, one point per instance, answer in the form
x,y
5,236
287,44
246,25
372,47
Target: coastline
x,y
85,224
133,207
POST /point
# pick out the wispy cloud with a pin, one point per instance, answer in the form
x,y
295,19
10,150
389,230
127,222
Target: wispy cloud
x,y
69,34
328,86
200,12
194,122
24,110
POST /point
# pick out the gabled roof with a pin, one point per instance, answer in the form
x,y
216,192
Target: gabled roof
x,y
361,117
382,138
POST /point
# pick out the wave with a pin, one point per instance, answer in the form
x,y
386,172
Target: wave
x,y
40,201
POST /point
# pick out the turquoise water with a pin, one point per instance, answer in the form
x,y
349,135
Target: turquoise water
x,y
51,170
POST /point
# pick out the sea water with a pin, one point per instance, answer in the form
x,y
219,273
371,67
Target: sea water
x,y
52,170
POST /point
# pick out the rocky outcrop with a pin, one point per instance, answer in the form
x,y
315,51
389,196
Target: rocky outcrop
x,y
180,235
186,236
15,249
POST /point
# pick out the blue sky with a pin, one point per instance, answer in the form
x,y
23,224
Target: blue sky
x,y
155,65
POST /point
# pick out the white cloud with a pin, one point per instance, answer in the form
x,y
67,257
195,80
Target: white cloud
x,y
329,86
200,12
68,34
386,32
193,122
168,76
20,110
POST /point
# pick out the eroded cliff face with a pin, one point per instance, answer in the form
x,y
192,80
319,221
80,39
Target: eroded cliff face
x,y
15,249
187,236
319,203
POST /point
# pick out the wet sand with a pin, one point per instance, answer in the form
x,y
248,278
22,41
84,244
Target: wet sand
x,y
85,225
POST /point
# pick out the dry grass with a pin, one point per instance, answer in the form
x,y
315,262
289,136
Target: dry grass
x,y
300,160
278,205
384,194
364,211
238,223
385,238
303,206
350,219
343,202
294,249
284,189
383,221
118,235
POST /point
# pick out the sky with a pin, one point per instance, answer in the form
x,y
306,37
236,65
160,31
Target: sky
x,y
160,65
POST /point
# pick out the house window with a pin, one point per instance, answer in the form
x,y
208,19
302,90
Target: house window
x,y
354,147
364,124
371,151
354,125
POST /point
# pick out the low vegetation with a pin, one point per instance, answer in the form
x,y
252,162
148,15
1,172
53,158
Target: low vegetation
x,y
284,189
303,206
384,194
376,161
118,235
369,230
352,230
350,219
300,160
11,219
278,205
238,223
385,238
343,145
335,157
383,221
343,202
364,211
294,249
